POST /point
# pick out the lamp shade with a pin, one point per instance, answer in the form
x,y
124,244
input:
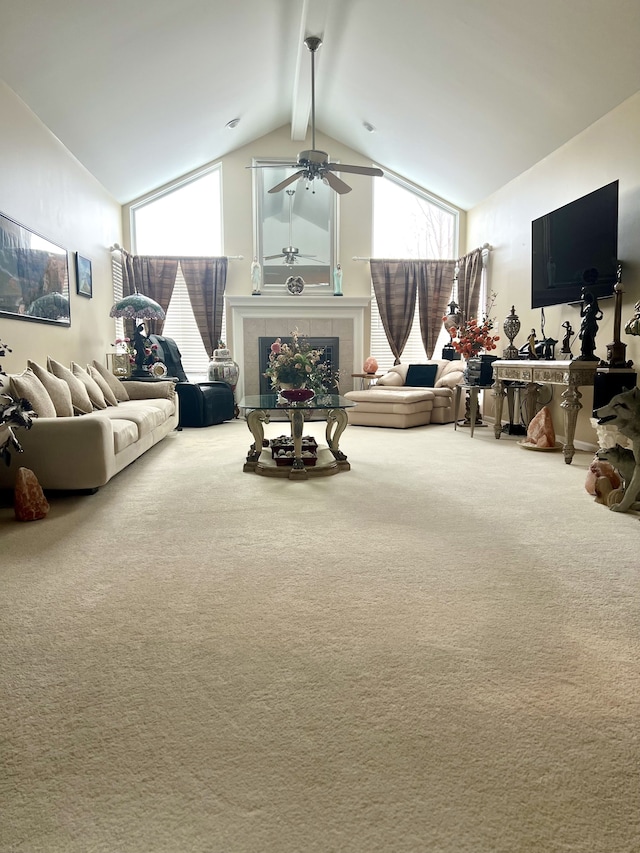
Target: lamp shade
x,y
137,306
51,306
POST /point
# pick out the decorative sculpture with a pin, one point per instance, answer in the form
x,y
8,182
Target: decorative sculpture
x,y
256,277
30,503
590,313
623,412
337,281
566,341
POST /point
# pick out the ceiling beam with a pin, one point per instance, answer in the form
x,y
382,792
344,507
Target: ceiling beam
x,y
313,21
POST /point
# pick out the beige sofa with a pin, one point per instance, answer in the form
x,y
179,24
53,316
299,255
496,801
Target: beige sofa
x,y
89,425
395,402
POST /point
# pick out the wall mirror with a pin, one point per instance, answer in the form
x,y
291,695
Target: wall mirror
x,y
34,276
298,218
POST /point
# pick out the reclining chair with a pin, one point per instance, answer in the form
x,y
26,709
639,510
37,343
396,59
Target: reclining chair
x,y
201,403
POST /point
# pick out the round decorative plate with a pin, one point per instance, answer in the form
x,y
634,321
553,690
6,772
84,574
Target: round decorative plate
x,y
527,446
297,395
295,284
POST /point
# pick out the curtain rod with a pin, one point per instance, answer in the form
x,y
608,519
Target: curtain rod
x,y
486,247
117,248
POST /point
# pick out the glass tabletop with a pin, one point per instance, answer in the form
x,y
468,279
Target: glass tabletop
x,y
273,401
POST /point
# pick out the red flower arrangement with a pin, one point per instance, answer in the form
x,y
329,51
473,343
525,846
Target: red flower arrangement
x,y
475,337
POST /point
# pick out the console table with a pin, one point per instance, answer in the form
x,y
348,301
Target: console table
x,y
570,374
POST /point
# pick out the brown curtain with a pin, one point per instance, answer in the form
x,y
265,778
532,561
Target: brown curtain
x,y
155,278
206,279
435,283
395,286
469,280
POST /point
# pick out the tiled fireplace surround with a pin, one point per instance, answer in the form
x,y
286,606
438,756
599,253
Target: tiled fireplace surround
x,y
253,317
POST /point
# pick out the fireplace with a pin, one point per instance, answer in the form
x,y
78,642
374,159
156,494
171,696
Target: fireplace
x,y
330,355
317,317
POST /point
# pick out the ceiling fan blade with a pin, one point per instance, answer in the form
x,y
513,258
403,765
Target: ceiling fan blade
x,y
287,181
336,184
272,166
356,170
272,257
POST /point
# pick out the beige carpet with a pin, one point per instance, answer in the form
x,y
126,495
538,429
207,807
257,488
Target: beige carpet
x,y
437,651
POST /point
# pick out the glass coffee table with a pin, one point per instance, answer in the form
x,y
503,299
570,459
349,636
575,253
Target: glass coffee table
x,y
297,462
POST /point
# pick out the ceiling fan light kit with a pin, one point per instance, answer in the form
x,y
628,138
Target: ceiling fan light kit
x,y
312,163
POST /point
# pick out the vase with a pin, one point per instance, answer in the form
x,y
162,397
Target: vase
x,y
222,368
480,370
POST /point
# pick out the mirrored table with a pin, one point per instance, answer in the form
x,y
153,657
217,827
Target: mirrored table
x,y
300,462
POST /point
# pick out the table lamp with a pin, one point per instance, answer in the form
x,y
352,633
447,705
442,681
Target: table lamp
x,y
138,307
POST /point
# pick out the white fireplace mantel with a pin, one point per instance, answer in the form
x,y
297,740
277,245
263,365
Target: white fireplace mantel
x,y
291,309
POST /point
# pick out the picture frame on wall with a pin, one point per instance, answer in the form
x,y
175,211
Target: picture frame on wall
x,y
34,276
84,281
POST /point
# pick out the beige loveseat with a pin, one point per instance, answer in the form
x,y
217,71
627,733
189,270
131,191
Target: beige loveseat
x,y
395,402
89,425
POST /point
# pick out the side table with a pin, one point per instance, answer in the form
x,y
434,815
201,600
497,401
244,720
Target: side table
x,y
473,391
366,379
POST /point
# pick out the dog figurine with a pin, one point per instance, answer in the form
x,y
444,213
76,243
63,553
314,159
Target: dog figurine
x,y
620,458
623,412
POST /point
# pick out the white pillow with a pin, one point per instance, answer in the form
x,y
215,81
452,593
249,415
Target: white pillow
x,y
26,385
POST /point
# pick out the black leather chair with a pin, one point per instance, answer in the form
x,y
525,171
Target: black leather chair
x,y
201,403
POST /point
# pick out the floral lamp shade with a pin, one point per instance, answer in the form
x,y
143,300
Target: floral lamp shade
x,y
137,307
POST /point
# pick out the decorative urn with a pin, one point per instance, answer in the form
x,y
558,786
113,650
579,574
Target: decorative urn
x,y
511,328
222,368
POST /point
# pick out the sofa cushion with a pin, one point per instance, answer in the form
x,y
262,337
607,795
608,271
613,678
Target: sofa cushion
x,y
421,375
119,391
93,389
27,385
392,378
145,415
79,394
109,396
57,389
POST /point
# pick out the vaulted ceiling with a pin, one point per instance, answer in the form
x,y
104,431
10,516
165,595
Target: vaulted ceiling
x,y
464,95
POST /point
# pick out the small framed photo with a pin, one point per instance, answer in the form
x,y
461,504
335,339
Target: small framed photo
x,y
84,282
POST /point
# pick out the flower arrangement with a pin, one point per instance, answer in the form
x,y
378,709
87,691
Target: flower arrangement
x,y
124,346
298,364
13,413
475,336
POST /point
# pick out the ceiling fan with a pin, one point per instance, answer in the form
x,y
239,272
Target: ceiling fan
x,y
314,164
290,253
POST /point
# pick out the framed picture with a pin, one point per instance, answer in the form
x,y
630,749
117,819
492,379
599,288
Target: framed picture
x,y
84,282
34,276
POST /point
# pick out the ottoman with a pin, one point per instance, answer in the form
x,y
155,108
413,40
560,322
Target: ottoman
x,y
393,407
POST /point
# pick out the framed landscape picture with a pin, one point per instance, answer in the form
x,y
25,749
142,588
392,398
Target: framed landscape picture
x,y
84,282
34,276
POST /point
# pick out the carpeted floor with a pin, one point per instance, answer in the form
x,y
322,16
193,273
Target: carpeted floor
x,y
437,651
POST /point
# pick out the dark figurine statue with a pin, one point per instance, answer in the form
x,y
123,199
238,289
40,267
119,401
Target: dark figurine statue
x,y
590,313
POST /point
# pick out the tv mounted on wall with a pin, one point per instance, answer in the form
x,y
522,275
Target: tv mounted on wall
x,y
576,246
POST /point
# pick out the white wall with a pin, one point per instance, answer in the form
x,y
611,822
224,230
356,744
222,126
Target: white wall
x,y
606,151
43,187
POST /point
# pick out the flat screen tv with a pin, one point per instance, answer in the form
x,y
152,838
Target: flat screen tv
x,y
576,246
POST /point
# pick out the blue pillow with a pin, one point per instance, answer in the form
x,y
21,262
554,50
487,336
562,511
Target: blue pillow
x,y
421,375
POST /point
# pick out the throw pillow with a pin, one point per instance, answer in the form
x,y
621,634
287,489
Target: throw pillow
x,y
27,385
79,394
119,391
421,375
109,396
93,389
391,378
57,389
